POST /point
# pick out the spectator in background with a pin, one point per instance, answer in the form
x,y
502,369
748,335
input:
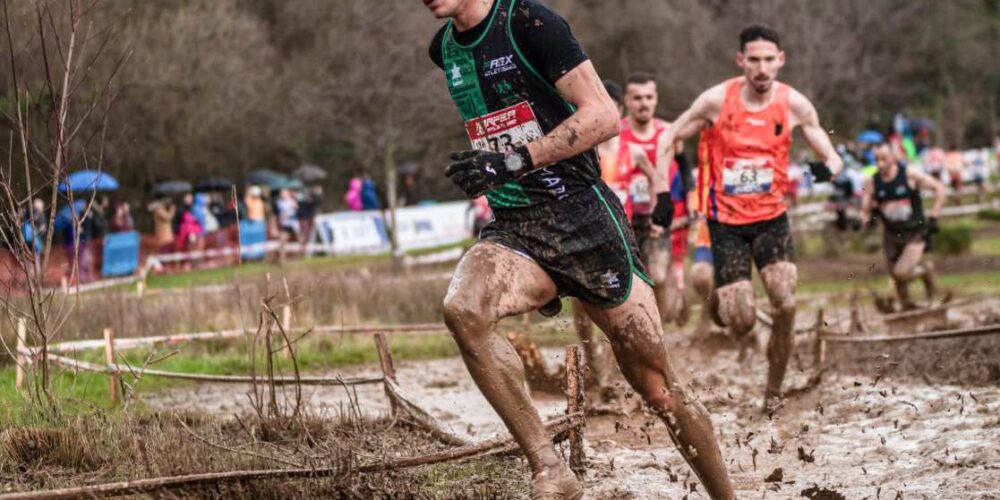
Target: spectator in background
x,y
34,223
254,201
353,196
369,195
163,211
287,209
121,221
189,231
954,164
202,212
308,204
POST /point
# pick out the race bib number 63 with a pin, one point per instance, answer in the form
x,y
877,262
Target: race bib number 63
x,y
743,176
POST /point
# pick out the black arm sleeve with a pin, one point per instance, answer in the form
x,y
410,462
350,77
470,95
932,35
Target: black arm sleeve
x,y
546,40
684,170
435,49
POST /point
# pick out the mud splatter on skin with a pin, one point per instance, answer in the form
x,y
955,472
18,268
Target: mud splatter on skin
x,y
780,280
490,283
637,341
736,307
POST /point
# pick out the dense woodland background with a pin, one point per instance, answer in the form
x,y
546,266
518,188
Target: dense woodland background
x,y
193,88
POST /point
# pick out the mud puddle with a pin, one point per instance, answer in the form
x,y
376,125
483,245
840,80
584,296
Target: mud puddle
x,y
859,434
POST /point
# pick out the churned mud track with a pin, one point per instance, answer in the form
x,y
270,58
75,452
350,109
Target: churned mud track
x,y
885,421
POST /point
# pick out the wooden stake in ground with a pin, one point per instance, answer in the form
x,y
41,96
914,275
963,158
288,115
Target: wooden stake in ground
x,y
286,324
20,359
388,369
575,403
109,358
819,351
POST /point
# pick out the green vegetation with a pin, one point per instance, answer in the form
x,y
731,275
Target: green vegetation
x,y
954,239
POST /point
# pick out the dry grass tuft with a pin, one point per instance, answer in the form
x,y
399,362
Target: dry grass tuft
x,y
26,448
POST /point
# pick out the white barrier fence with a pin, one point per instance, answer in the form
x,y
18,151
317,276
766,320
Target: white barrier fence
x,y
417,227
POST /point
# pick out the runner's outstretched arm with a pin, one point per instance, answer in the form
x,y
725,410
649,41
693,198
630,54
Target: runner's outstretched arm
x,y
867,195
804,115
702,113
925,181
595,119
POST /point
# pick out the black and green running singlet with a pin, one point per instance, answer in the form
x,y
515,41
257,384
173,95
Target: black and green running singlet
x,y
501,75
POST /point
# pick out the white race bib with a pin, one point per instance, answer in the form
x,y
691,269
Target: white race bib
x,y
639,189
505,129
743,176
897,210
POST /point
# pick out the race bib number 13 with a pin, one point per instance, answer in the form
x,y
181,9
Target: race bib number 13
x,y
742,176
508,128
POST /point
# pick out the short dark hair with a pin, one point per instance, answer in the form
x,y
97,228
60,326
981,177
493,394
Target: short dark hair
x,y
615,91
640,78
756,32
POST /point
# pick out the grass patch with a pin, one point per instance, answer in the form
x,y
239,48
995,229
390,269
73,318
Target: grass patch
x,y
986,246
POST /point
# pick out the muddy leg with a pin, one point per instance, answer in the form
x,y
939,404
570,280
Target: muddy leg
x,y
702,283
490,283
656,258
637,340
780,280
906,269
593,351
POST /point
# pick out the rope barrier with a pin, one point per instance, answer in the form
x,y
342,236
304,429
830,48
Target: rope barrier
x,y
943,334
226,379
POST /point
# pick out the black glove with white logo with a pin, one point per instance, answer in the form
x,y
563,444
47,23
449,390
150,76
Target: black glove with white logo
x,y
820,172
663,213
478,172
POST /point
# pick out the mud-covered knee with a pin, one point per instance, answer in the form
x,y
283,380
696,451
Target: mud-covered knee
x,y
466,317
736,307
701,279
781,279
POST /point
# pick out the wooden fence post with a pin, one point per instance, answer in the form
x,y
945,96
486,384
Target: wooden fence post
x,y
388,369
19,359
286,324
575,402
109,359
819,349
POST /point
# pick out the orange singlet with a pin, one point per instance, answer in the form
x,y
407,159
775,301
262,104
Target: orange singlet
x,y
639,188
704,166
749,158
616,171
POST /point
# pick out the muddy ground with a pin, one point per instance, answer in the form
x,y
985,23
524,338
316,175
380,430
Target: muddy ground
x,y
887,421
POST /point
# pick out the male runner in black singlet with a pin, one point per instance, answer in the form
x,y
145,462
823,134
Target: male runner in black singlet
x,y
534,109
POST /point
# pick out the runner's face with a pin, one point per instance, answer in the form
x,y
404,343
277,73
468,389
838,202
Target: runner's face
x,y
640,100
445,8
761,60
884,158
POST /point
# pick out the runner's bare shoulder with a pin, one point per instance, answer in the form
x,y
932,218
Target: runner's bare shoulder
x,y
708,105
801,108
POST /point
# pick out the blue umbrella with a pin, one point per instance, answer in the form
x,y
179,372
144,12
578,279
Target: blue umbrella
x,y
89,180
871,137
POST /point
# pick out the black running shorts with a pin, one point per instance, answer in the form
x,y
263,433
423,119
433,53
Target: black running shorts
x,y
582,241
733,247
894,242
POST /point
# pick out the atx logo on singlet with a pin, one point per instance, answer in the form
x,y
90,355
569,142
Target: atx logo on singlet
x,y
456,76
500,65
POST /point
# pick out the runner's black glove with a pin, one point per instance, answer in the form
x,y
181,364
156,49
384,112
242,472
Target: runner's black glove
x,y
820,172
478,172
932,226
663,213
